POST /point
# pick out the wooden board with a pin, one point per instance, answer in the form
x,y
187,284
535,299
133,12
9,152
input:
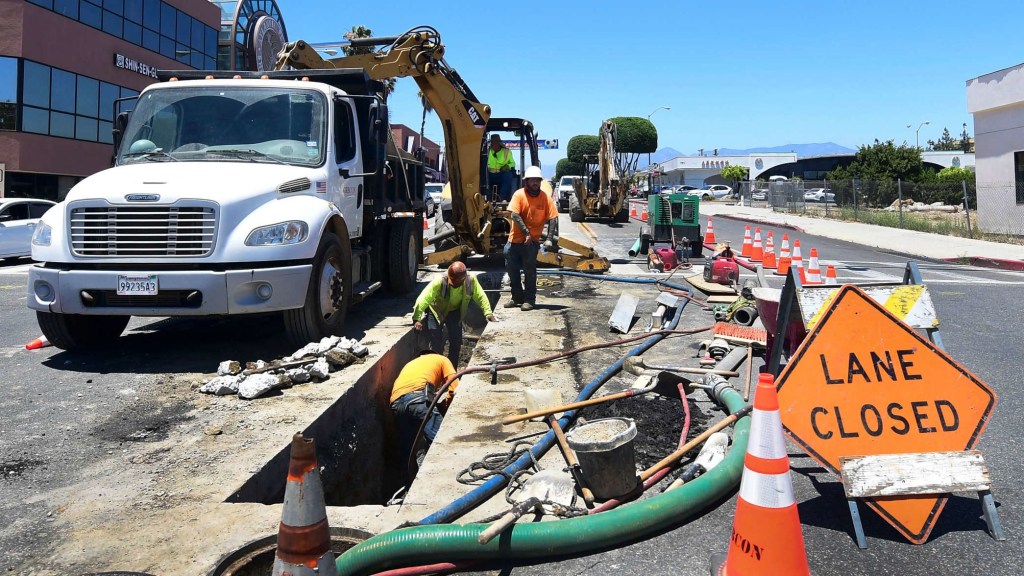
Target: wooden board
x,y
722,298
914,473
697,281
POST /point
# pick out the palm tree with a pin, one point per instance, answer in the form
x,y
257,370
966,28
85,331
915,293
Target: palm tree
x,y
364,32
427,109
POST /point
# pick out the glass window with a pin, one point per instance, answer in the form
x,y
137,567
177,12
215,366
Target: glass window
x,y
211,41
133,33
182,53
115,6
133,11
106,132
112,23
62,91
85,128
36,85
210,63
8,79
90,14
184,28
128,93
17,211
1018,169
108,94
62,125
37,209
197,59
167,47
44,3
150,40
344,133
35,120
168,19
198,35
68,8
88,97
151,14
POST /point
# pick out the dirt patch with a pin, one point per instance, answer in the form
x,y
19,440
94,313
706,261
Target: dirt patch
x,y
151,421
16,467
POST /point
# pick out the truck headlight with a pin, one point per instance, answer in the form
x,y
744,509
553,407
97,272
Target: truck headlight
x,y
282,234
41,237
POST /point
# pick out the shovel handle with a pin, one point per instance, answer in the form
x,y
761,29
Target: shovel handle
x,y
497,527
520,417
570,458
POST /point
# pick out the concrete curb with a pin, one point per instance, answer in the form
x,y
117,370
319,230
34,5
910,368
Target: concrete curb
x,y
762,221
984,262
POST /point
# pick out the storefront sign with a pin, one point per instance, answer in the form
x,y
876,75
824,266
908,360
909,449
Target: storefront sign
x,y
126,63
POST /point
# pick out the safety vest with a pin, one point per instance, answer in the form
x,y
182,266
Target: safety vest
x,y
499,159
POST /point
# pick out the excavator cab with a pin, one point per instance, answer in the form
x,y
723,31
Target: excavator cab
x,y
518,135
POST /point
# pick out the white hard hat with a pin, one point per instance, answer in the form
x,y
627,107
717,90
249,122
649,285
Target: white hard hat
x,y
533,172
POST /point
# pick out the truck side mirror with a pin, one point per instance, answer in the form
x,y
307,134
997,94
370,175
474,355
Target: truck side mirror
x,y
118,131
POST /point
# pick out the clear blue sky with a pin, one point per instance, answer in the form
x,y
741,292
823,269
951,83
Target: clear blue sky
x,y
737,74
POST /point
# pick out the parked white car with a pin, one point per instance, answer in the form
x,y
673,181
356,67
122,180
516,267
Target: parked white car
x,y
433,191
819,195
564,191
18,218
759,194
713,192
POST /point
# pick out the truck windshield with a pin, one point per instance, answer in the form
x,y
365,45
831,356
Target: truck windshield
x,y
216,123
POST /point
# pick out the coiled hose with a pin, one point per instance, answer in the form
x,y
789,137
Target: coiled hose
x,y
453,542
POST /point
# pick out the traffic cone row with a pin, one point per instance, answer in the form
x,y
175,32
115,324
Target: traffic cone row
x,y
809,274
709,233
766,537
41,342
304,538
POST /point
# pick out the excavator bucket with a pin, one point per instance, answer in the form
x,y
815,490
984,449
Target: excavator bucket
x,y
585,258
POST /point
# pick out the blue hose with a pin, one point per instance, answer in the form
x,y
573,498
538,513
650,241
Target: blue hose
x,y
491,487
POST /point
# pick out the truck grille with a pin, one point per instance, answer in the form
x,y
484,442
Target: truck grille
x,y
131,231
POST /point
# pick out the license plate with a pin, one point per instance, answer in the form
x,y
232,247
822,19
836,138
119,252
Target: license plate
x,y
136,285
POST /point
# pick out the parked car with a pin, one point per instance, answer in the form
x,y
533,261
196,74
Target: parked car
x,y
564,191
819,195
713,192
759,194
18,218
433,190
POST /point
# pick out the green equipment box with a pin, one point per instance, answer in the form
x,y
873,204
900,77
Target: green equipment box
x,y
675,218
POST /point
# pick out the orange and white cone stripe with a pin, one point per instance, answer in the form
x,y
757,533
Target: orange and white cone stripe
x,y
830,276
769,252
748,245
304,539
709,233
798,262
813,268
766,536
757,251
785,260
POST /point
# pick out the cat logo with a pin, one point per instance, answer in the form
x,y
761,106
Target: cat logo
x,y
473,114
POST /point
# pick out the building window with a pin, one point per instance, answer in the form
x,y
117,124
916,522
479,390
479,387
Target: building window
x,y
1018,172
91,14
8,93
36,87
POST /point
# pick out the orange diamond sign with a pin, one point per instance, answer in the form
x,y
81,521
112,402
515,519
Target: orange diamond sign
x,y
864,383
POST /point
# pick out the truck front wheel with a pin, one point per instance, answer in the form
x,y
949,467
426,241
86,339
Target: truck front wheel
x,y
79,332
403,255
328,294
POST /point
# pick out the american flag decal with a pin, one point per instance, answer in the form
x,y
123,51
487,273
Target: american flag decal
x,y
321,187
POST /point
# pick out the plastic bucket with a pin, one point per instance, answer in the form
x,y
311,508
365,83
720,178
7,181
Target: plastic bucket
x,y
605,451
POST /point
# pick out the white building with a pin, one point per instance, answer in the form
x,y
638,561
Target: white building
x,y
997,102
705,170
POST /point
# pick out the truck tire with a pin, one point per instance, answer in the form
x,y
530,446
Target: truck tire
x,y
403,255
328,295
79,332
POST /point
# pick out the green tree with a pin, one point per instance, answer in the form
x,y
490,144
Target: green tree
x,y
349,50
427,109
734,173
566,167
580,146
955,174
877,167
946,142
633,136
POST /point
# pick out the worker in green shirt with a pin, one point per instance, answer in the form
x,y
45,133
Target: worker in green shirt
x,y
500,166
443,304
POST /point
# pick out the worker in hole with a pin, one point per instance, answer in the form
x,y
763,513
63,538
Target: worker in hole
x,y
413,393
442,305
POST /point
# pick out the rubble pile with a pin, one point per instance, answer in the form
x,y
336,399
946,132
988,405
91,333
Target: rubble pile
x,y
313,362
911,206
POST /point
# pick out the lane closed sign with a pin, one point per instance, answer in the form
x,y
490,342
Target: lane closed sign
x,y
865,383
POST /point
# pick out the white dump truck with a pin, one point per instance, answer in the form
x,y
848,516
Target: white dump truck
x,y
234,193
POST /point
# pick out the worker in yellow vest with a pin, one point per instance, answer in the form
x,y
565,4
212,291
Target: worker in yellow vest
x,y
500,165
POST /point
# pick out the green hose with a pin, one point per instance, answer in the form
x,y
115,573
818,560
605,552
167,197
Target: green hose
x,y
453,542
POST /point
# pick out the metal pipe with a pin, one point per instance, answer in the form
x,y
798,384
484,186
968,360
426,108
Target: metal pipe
x,y
635,249
745,315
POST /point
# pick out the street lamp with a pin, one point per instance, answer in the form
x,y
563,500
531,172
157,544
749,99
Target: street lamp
x,y
917,133
649,119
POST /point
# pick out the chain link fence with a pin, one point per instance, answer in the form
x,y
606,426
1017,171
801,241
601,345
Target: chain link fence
x,y
949,208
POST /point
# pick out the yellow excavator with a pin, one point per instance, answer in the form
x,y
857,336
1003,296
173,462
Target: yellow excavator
x,y
601,193
480,221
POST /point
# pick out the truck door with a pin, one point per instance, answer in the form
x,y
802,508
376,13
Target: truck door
x,y
349,192
15,230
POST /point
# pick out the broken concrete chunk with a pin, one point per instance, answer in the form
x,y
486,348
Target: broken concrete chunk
x,y
326,344
307,350
298,375
221,385
258,365
258,384
360,350
320,369
338,359
229,368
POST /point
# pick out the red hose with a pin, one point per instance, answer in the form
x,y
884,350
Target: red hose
x,y
441,567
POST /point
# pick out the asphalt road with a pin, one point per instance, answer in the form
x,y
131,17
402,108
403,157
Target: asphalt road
x,y
63,412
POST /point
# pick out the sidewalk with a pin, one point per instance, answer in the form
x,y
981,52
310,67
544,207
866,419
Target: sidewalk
x,y
896,240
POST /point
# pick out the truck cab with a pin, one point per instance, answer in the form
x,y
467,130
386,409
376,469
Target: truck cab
x,y
234,193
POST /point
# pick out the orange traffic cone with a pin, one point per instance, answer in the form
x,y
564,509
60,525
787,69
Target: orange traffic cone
x,y
798,261
748,246
757,252
709,234
304,539
632,209
830,276
38,343
766,536
784,258
813,268
769,252
643,211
